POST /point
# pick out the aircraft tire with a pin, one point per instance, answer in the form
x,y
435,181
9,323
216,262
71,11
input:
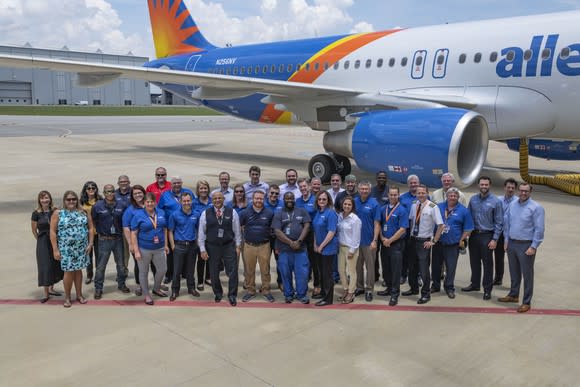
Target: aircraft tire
x,y
343,166
322,166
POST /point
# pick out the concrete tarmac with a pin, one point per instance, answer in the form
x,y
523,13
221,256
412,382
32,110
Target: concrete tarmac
x,y
119,341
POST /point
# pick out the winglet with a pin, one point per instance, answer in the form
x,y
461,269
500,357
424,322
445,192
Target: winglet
x,y
174,31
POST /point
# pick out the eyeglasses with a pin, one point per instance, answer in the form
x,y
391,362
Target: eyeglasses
x,y
275,193
322,199
123,182
160,174
91,188
70,199
108,192
239,191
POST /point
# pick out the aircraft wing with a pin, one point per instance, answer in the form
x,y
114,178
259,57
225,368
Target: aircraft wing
x,y
96,74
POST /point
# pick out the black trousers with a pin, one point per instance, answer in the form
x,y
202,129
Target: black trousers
x,y
392,263
93,254
202,268
407,256
377,259
448,254
276,255
183,262
499,254
419,262
326,279
314,263
480,254
169,261
225,254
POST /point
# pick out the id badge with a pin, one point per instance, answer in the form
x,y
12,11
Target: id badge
x,y
155,239
220,232
445,229
113,229
287,230
385,228
416,229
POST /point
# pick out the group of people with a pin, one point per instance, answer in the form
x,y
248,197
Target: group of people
x,y
340,235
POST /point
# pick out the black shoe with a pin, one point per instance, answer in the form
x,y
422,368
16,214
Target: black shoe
x,y
247,297
403,279
166,280
218,298
435,289
450,294
88,280
232,300
497,282
369,296
200,287
322,303
98,294
423,300
164,287
470,288
410,292
124,289
359,292
487,296
173,296
384,283
317,296
384,293
193,292
393,301
288,300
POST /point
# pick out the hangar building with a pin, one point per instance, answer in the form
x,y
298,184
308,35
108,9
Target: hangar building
x,y
45,87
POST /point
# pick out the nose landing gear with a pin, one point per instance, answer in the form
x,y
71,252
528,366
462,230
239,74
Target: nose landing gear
x,y
325,165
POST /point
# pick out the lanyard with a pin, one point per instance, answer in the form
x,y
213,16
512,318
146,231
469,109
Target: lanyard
x,y
449,213
388,214
153,220
418,213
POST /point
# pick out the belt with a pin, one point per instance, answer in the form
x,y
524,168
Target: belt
x,y
185,243
520,241
421,239
256,244
482,232
109,237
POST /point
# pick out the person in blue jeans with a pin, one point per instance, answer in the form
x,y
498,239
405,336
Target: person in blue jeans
x,y
291,226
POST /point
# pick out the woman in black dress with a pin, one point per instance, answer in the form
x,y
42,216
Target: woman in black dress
x,y
49,271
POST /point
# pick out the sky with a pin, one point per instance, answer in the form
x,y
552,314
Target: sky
x,y
122,26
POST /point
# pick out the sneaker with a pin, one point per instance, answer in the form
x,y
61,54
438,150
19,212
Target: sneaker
x,y
305,300
247,297
288,300
124,289
269,297
138,292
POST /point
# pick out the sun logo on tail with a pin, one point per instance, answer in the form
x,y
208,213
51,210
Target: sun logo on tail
x,y
174,31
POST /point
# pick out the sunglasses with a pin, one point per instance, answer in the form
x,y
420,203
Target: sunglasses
x,y
70,199
91,187
108,192
275,193
239,191
160,174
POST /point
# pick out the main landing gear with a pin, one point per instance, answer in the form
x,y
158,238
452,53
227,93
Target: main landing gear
x,y
325,165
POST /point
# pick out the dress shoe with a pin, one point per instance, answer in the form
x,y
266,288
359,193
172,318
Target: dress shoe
x,y
138,292
470,288
393,301
54,293
88,280
487,296
305,301
123,288
359,292
218,298
435,289
164,287
403,279
523,308
369,296
149,301
173,297
317,296
200,287
322,303
193,292
508,298
288,300
497,282
166,280
98,294
423,300
232,301
159,293
384,293
410,292
450,294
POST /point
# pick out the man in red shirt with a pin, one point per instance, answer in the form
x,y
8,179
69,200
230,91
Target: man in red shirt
x,y
160,185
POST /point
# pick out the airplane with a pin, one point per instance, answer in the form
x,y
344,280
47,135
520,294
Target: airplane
x,y
420,101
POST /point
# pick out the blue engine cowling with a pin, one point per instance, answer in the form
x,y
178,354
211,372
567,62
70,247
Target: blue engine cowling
x,y
424,142
548,149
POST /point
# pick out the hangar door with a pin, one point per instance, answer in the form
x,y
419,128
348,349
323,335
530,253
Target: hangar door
x,y
15,93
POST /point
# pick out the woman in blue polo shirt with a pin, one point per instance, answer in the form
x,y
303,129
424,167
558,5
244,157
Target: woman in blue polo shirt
x,y
149,241
325,244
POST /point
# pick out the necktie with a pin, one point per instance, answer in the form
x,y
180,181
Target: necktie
x,y
219,213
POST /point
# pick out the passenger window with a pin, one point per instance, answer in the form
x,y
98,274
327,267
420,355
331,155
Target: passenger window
x,y
493,57
250,68
404,62
336,65
477,57
528,54
368,63
289,68
325,66
546,53
565,53
346,64
228,71
440,59
273,69
391,62
419,61
235,71
307,66
281,68
257,70
242,70
265,69
462,58
380,63
357,64
316,66
510,55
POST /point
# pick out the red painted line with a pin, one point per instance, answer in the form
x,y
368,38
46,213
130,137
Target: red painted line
x,y
297,305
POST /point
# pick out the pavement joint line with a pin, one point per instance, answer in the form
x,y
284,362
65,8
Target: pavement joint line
x,y
264,305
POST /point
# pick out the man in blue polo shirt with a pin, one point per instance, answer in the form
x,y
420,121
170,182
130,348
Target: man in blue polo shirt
x,y
458,224
273,202
182,239
107,217
170,202
256,222
366,209
392,223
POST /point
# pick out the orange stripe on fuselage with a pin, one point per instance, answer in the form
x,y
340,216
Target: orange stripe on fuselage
x,y
328,55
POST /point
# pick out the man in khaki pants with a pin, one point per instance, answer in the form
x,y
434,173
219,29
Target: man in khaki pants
x,y
256,222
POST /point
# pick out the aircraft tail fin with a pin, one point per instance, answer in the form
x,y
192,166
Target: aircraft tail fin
x,y
174,30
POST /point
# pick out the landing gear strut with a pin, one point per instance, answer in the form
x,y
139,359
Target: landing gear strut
x,y
325,165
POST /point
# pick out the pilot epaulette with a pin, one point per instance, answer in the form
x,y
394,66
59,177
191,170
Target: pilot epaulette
x,y
432,205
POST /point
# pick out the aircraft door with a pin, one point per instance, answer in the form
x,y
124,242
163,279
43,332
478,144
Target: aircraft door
x,y
418,65
190,66
440,63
